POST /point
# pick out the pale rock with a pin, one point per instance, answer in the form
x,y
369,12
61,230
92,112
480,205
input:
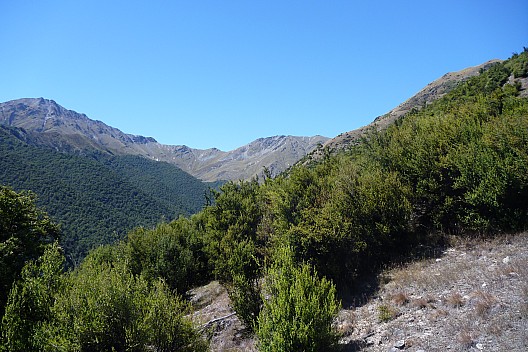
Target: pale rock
x,y
400,344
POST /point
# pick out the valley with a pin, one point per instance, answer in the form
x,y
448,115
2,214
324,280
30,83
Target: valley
x,y
406,235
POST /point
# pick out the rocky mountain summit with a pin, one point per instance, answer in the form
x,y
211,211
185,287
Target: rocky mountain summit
x,y
46,123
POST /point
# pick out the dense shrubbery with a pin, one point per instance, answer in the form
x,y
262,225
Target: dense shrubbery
x,y
464,158
105,307
458,166
519,64
101,305
171,251
31,300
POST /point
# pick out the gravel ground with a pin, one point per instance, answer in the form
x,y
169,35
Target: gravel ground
x,y
473,297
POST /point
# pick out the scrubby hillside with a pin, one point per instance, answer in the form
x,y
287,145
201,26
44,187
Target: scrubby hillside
x,y
285,249
471,296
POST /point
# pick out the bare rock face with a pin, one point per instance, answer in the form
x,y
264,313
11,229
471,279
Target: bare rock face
x,y
46,123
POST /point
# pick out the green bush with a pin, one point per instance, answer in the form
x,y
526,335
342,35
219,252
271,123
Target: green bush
x,y
243,286
299,308
105,308
171,251
519,66
244,294
25,230
31,299
235,247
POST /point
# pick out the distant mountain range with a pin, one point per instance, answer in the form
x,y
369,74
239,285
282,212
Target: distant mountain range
x,y
46,123
99,182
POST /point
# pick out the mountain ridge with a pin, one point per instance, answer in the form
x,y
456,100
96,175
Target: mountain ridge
x,y
431,92
49,124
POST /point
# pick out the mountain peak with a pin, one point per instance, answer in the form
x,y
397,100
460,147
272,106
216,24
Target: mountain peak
x,y
49,124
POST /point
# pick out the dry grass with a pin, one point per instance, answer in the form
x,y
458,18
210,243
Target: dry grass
x,y
473,296
455,300
346,322
400,298
484,302
420,303
438,314
465,338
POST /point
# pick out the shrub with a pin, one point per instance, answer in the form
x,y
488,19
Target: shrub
x,y
30,300
171,251
234,246
386,313
24,232
299,308
106,308
243,287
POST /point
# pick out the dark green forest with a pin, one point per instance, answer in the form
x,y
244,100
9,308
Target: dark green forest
x,y
287,247
98,198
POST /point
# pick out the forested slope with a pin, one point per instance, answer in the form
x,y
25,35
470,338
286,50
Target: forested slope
x,y
98,198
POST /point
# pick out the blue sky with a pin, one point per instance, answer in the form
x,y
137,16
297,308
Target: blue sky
x,y
223,73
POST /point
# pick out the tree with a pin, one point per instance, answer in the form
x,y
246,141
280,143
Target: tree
x,y
30,300
235,246
24,232
299,308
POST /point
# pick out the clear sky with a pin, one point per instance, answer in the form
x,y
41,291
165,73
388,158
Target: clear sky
x,y
223,73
